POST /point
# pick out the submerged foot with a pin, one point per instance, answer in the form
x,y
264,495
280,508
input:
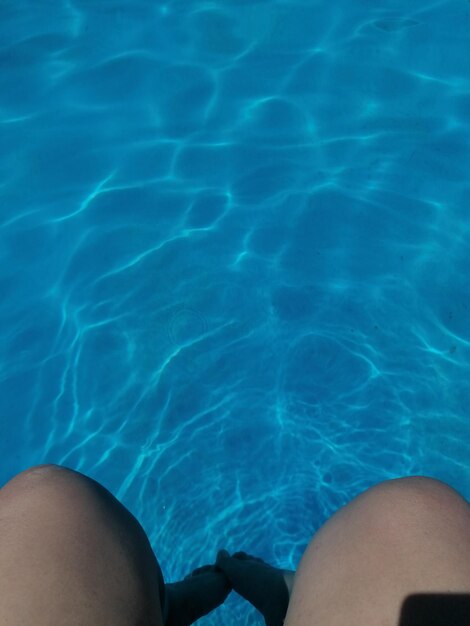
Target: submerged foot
x,y
198,594
264,586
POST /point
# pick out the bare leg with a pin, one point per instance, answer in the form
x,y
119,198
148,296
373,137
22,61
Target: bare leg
x,y
402,537
72,554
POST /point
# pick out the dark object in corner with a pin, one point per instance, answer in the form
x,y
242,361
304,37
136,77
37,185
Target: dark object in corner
x,y
436,609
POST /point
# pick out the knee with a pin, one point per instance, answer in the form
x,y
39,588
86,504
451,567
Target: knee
x,y
415,502
418,490
52,483
41,472
40,475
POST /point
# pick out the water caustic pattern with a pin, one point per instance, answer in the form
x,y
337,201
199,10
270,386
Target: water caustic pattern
x,y
234,258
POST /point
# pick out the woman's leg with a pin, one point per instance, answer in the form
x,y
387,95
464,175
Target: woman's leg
x,y
72,554
402,537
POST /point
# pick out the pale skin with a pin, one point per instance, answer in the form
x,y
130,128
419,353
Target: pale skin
x,y
72,554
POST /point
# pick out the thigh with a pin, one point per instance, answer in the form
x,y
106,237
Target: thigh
x,y
72,554
402,537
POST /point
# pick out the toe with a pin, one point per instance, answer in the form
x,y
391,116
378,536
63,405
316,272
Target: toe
x,y
201,570
243,556
222,556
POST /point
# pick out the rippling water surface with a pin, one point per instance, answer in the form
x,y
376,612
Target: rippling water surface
x,y
235,249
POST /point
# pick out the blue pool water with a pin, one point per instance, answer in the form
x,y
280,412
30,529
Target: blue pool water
x,y
235,252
